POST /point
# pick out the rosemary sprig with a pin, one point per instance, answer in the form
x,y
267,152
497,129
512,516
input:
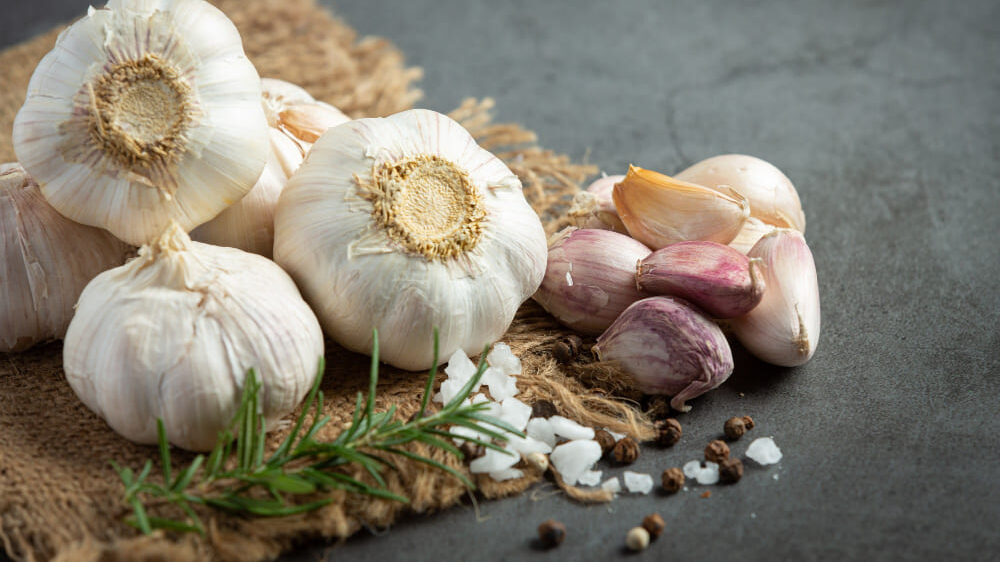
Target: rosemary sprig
x,y
302,465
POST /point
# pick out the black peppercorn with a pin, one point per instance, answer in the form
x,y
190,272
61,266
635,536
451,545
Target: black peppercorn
x,y
672,480
551,533
730,471
472,450
734,428
567,348
605,440
668,432
654,524
717,451
543,409
626,451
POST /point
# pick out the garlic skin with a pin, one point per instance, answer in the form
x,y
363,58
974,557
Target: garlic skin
x,y
784,328
753,230
716,278
595,208
405,224
668,347
172,334
47,261
659,210
145,112
295,120
590,277
772,196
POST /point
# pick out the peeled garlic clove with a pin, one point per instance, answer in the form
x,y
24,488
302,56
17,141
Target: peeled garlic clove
x,y
144,113
295,120
172,334
405,224
784,328
668,347
660,210
594,208
751,232
772,196
590,277
716,278
47,260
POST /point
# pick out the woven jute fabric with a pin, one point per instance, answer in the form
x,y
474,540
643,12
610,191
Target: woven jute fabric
x,y
59,497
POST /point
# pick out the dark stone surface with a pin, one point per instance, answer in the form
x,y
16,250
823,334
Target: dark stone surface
x,y
885,116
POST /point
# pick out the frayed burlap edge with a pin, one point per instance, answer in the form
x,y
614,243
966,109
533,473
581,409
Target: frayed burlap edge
x,y
58,497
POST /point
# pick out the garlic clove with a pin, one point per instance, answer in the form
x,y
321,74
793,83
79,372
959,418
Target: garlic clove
x,y
751,232
668,347
659,210
716,278
307,121
590,277
45,262
772,196
784,328
594,207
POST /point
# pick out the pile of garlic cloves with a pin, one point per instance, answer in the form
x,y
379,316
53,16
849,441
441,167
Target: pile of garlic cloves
x,y
661,264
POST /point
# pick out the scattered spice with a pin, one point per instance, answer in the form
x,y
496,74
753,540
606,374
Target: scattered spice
x,y
672,480
730,471
717,451
551,533
538,460
543,409
748,421
472,450
654,524
736,426
668,432
706,494
605,440
637,539
626,451
567,348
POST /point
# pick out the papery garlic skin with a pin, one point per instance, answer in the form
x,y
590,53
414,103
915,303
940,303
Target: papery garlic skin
x,y
172,334
784,328
295,120
405,224
595,208
47,261
590,277
668,347
659,210
145,112
772,196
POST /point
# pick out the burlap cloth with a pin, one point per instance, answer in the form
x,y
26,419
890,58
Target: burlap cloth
x,y
59,498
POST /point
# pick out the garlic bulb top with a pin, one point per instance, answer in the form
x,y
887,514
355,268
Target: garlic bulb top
x,y
406,225
144,112
172,334
295,120
47,260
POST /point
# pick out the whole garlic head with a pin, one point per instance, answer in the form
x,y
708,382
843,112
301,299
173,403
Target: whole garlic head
x,y
405,224
47,261
145,112
295,120
172,334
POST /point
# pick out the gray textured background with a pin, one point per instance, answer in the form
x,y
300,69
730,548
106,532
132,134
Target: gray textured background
x,y
886,116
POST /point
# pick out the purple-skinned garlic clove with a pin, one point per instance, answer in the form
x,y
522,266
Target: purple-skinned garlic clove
x,y
716,278
784,328
668,347
590,278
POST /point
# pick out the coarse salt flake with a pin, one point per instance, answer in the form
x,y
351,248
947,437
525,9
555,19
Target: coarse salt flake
x,y
612,485
590,478
574,458
638,482
764,451
565,427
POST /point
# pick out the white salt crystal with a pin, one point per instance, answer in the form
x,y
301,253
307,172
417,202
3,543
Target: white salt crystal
x,y
612,485
501,385
515,412
709,474
527,445
501,357
764,451
565,427
449,389
480,398
541,429
615,434
468,432
753,515
506,474
493,461
590,478
774,476
692,468
572,459
460,367
638,483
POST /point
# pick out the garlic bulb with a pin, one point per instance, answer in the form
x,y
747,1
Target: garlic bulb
x,y
772,196
659,210
172,334
784,328
144,112
47,261
295,121
595,208
668,347
590,277
406,225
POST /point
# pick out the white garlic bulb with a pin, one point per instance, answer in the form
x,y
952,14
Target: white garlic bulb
x,y
405,224
172,334
145,112
295,121
47,261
